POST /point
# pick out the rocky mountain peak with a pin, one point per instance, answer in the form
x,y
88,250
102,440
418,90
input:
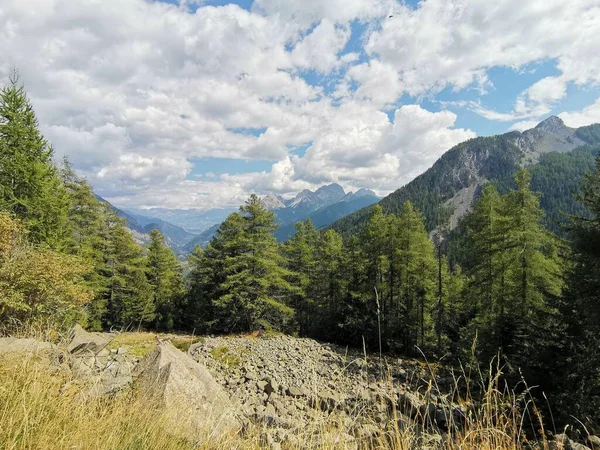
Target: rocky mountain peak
x,y
363,191
272,201
306,195
551,125
331,193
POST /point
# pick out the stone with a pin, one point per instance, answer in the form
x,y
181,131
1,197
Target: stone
x,y
84,343
19,347
295,392
192,399
271,387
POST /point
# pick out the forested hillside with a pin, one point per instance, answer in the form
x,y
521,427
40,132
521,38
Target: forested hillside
x,y
458,176
522,296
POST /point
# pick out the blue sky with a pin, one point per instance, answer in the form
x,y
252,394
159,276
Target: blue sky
x,y
197,104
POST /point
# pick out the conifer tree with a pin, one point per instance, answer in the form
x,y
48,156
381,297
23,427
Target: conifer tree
x,y
328,285
416,270
255,287
89,239
515,269
29,185
129,296
198,311
300,252
166,281
577,379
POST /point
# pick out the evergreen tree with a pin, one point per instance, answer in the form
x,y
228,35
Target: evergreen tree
x,y
198,312
417,274
328,285
89,236
255,287
129,295
29,185
577,379
165,278
515,270
358,318
300,252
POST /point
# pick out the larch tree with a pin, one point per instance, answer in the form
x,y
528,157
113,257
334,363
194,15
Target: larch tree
x,y
166,280
30,187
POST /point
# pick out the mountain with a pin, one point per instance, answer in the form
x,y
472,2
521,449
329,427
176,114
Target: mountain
x,y
456,179
192,220
140,226
202,239
305,202
323,206
328,214
272,201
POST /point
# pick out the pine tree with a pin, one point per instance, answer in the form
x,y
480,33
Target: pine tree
x,y
358,322
328,285
515,270
534,272
165,278
89,235
417,274
300,253
255,287
198,312
29,185
577,378
129,296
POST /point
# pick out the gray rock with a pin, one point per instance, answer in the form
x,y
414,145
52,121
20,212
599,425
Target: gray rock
x,y
294,391
193,400
20,347
271,387
84,343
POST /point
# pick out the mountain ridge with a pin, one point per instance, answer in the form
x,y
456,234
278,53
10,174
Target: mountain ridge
x,y
456,178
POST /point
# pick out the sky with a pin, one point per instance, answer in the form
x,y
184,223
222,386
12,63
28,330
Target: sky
x,y
198,103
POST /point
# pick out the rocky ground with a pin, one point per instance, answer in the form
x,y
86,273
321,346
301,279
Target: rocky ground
x,y
298,392
290,384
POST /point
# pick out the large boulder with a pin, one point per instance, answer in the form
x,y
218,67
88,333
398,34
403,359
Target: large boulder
x,y
83,343
192,399
20,347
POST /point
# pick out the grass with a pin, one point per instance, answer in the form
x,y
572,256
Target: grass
x,y
184,343
41,407
224,356
137,343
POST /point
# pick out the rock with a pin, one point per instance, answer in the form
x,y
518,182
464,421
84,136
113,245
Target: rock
x,y
271,387
84,343
294,391
18,347
191,397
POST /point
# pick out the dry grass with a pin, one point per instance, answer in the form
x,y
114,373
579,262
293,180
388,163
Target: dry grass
x,y
41,407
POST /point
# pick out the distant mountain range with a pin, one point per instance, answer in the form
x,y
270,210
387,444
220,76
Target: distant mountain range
x,y
556,155
184,229
323,207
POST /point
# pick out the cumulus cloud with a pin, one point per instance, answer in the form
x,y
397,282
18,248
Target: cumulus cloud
x,y
362,149
587,116
136,91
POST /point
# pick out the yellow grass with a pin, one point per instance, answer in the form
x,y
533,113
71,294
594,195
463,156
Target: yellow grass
x,y
42,407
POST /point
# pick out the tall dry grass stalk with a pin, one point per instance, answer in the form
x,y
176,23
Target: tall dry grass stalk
x,y
42,407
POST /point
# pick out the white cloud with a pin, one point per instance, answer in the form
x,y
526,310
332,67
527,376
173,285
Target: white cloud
x,y
452,43
362,149
524,125
320,48
586,116
134,90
